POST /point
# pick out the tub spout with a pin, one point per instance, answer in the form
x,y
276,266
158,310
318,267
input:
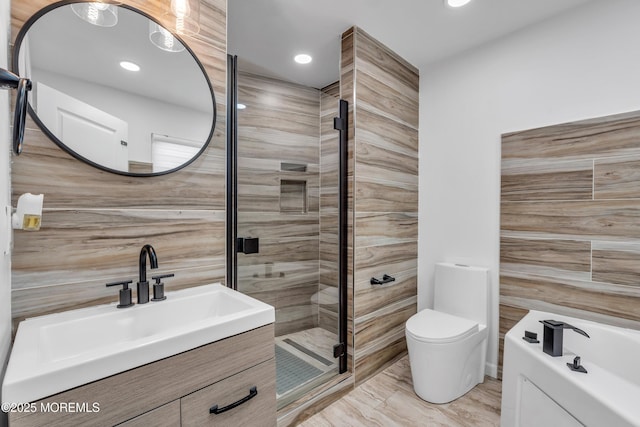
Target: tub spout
x,y
552,336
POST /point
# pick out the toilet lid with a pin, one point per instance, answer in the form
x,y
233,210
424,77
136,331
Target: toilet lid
x,y
435,326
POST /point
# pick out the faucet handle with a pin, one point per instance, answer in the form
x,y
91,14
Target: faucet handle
x,y
162,276
158,287
125,292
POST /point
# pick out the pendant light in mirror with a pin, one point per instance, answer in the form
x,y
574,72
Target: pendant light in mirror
x,y
162,38
96,13
184,17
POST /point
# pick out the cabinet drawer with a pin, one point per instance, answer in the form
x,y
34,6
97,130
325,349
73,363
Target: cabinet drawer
x,y
131,393
257,411
165,416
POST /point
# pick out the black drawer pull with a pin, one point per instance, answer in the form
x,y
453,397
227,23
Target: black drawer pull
x,y
385,279
253,392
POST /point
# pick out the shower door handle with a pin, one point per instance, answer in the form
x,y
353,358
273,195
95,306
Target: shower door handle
x,y
248,245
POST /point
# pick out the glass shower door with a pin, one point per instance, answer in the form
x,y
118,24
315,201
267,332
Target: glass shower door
x,y
286,220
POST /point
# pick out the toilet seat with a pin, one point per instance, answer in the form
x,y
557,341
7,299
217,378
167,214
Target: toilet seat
x,y
432,326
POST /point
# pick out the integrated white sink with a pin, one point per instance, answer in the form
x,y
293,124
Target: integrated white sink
x,y
64,350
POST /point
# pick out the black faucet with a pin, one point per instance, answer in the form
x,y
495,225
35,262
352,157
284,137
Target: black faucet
x,y
552,337
143,285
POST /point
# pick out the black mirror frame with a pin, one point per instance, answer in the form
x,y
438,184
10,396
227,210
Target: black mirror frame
x,y
52,137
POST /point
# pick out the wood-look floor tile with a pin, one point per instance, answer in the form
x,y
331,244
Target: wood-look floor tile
x,y
387,399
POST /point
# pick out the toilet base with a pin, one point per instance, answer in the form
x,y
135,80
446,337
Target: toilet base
x,y
442,373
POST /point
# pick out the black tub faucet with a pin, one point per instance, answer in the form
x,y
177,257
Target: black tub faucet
x,y
552,336
143,284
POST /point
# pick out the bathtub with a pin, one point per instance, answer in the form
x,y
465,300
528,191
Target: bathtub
x,y
540,390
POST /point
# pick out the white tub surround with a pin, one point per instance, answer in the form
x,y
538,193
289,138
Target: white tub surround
x,y
538,389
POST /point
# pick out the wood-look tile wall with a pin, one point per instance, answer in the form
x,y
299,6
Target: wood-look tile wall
x,y
281,124
383,205
94,223
570,222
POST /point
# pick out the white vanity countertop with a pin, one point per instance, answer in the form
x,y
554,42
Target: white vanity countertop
x,y
61,351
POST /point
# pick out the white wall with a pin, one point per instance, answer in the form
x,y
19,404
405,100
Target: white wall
x,y
151,115
584,63
5,183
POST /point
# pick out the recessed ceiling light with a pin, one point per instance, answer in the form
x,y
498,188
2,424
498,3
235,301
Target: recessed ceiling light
x,y
303,58
129,66
456,3
241,106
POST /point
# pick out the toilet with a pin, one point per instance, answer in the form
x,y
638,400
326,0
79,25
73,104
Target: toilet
x,y
448,345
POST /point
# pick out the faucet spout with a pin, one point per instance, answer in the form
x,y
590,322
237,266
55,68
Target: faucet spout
x,y
552,339
143,285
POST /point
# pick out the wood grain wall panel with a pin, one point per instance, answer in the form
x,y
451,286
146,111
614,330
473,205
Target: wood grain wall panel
x,y
390,135
379,61
386,101
380,337
40,300
284,145
288,286
617,178
379,195
284,250
571,180
568,245
560,258
377,162
382,90
509,316
595,220
382,228
617,262
371,298
73,184
374,261
594,138
389,318
275,225
112,240
94,223
608,300
380,354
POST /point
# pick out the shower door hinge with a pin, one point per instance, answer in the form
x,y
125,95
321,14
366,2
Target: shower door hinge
x,y
338,350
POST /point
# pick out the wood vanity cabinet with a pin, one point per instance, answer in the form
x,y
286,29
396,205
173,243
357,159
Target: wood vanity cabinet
x,y
178,390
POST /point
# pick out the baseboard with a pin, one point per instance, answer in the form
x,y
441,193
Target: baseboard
x,y
491,369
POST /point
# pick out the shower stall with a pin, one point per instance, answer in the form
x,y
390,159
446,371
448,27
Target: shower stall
x,y
286,219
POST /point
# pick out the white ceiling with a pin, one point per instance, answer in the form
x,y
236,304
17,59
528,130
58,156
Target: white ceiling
x,y
266,34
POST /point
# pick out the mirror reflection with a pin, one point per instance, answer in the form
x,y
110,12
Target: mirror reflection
x,y
115,89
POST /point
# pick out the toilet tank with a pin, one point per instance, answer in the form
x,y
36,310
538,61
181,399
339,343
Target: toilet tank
x,y
463,291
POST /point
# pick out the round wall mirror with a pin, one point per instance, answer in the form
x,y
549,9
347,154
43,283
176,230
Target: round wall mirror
x,y
115,89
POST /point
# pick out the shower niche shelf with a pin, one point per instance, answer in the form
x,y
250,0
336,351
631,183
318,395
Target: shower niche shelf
x,y
293,196
294,188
